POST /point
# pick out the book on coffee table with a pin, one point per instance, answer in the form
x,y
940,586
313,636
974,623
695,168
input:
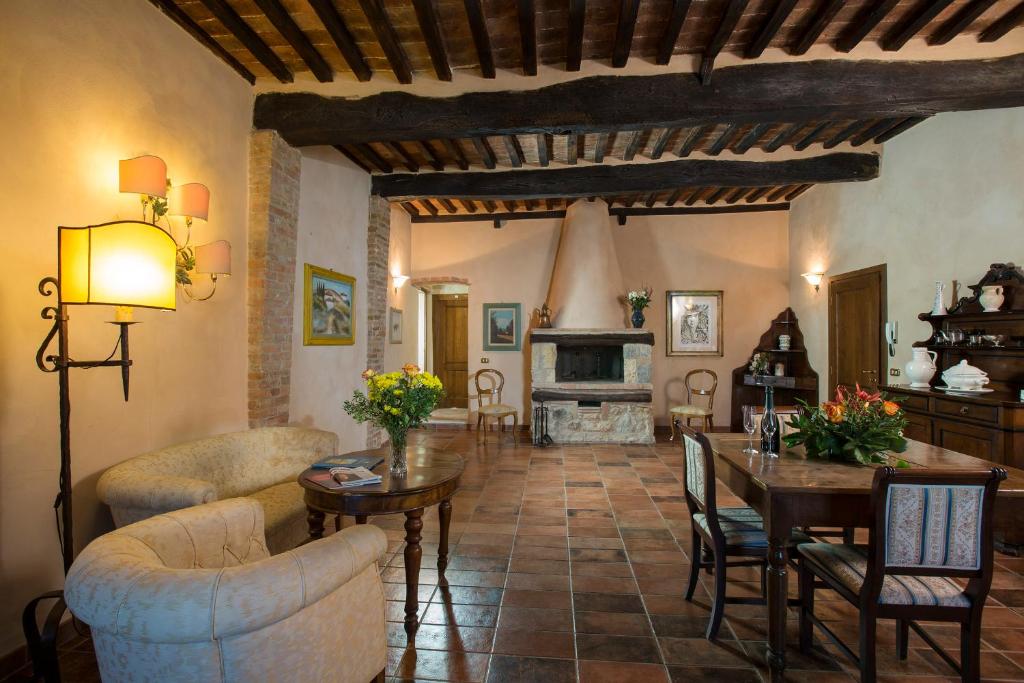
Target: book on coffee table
x,y
345,477
367,461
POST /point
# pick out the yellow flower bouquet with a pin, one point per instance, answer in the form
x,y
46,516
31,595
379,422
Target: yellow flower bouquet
x,y
396,402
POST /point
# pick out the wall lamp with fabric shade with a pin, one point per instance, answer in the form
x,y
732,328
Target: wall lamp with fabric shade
x,y
123,264
145,175
191,201
813,279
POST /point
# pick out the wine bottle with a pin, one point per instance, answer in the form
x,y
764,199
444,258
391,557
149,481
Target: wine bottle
x,y
770,445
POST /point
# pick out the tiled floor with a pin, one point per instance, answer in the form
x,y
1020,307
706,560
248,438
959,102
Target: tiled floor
x,y
565,566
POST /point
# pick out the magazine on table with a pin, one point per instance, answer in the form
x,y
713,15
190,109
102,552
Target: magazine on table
x,y
344,477
367,461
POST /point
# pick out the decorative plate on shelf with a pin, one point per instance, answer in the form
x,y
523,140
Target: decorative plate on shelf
x,y
966,391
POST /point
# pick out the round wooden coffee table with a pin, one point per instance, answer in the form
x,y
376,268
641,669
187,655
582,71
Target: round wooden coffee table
x,y
433,479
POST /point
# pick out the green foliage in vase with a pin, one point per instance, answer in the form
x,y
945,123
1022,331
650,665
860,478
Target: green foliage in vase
x,y
857,427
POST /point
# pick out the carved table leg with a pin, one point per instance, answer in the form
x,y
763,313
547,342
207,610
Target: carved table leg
x,y
315,520
444,511
413,556
778,594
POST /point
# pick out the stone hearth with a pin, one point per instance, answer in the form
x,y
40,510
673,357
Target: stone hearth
x,y
595,411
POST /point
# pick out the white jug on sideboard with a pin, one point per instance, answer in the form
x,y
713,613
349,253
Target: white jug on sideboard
x,y
921,368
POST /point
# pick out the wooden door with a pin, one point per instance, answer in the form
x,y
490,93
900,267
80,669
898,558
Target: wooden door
x,y
451,347
856,322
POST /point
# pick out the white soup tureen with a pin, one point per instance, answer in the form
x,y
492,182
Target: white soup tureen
x,y
965,376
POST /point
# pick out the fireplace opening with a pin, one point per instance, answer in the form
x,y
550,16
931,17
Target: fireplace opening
x,y
588,364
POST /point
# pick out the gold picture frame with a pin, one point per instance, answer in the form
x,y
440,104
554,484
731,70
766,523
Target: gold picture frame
x,y
329,308
693,323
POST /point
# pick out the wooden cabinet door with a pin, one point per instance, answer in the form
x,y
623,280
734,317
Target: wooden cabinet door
x,y
919,428
970,440
856,318
451,348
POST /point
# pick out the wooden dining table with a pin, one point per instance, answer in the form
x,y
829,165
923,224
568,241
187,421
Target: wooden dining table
x,y
792,490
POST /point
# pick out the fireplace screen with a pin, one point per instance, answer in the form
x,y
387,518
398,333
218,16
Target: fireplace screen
x,y
588,364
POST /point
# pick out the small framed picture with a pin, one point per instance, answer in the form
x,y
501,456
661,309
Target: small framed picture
x,y
328,308
502,327
395,325
693,323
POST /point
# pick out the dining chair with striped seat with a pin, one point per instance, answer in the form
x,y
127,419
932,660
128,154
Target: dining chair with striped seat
x,y
719,533
930,528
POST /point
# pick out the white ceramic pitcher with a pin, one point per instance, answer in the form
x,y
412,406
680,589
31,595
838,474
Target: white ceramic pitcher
x,y
921,368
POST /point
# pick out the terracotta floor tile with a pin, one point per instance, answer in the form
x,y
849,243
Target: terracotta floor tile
x,y
542,619
688,651
620,569
527,566
606,602
534,643
704,674
539,552
604,584
540,582
461,615
613,623
463,667
544,599
596,555
468,595
621,672
506,669
617,648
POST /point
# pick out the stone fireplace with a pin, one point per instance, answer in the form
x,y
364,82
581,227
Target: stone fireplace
x,y
595,383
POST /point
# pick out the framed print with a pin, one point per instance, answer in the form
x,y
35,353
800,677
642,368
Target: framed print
x,y
694,323
395,325
328,308
501,327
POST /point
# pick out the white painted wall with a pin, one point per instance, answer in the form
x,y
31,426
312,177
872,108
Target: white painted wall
x,y
949,202
86,83
400,262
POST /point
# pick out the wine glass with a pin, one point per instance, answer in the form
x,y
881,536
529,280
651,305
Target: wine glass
x,y
750,426
770,427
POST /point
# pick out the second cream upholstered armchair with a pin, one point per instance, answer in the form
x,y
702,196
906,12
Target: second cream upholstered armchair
x,y
193,595
259,463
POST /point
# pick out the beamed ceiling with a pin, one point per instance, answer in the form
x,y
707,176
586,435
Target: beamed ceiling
x,y
749,136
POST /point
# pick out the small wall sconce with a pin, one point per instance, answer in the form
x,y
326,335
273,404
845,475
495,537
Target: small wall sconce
x,y
813,279
399,281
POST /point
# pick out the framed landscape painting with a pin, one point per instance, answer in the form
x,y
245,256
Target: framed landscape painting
x,y
694,323
328,308
502,327
395,325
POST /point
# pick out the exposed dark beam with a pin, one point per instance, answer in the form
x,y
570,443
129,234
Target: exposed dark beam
x,y
455,150
650,200
873,131
797,192
674,197
624,32
667,43
574,40
782,10
616,212
178,16
633,146
903,126
751,137
448,205
286,26
370,154
489,205
353,158
426,15
514,149
724,140
716,195
705,210
599,147
572,148
836,89
662,142
528,35
493,215
410,209
696,195
469,205
483,148
627,178
401,152
249,38
342,37
959,22
481,38
726,26
388,39
827,11
783,136
429,206
860,27
758,193
1003,25
543,155
844,134
436,162
780,192
917,19
693,138
737,195
812,135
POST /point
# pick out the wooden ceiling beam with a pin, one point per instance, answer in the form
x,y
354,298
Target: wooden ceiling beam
x,y
399,150
674,197
483,148
528,35
844,134
599,147
874,130
904,125
574,39
922,14
1003,25
693,138
758,193
780,192
229,18
751,137
543,149
455,150
627,178
286,26
370,154
481,38
863,24
731,17
783,8
410,209
469,205
959,22
342,37
819,21
448,205
724,140
429,206
435,160
716,195
783,136
377,16
426,15
634,145
353,158
798,191
696,195
178,16
667,43
737,194
662,142
809,139
628,10
514,149
572,149
837,90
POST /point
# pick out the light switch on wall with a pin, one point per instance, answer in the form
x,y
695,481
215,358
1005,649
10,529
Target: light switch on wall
x,y
485,361
894,372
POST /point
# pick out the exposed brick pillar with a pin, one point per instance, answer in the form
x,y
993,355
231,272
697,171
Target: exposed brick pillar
x,y
274,169
378,237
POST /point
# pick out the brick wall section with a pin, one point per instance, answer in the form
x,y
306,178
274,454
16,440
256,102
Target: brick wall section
x,y
274,170
378,237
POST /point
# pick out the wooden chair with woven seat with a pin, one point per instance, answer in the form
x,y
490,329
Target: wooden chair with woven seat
x,y
692,410
929,528
719,533
489,384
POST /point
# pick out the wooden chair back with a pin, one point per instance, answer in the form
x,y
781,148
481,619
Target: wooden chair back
x,y
932,523
488,384
697,386
699,476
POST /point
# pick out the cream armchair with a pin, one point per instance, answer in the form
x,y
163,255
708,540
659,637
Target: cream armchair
x,y
259,463
193,595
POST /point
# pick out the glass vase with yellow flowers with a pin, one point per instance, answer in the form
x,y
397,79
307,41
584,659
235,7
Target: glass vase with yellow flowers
x,y
857,426
396,402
